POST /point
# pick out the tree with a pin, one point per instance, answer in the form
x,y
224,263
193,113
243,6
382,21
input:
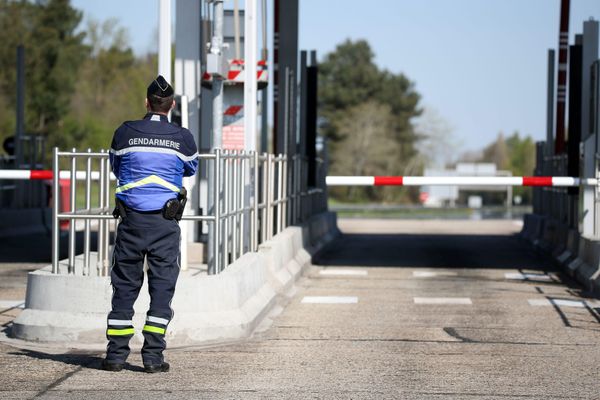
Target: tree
x,y
110,87
514,154
349,82
437,146
347,77
54,52
497,153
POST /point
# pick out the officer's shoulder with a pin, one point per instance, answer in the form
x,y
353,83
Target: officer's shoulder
x,y
188,139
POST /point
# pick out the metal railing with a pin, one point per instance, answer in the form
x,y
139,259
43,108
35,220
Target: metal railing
x,y
254,197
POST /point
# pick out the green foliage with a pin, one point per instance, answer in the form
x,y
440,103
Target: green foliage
x,y
81,83
514,154
366,113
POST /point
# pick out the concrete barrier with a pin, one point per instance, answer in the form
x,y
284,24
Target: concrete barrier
x,y
579,256
72,309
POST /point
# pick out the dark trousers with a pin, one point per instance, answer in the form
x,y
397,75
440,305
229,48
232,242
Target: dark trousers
x,y
139,236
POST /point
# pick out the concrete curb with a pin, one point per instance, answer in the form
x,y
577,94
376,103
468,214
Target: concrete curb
x,y
73,308
577,255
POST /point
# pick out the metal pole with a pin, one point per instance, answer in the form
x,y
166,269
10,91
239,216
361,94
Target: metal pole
x,y
88,207
241,215
55,209
217,213
236,28
20,107
73,199
164,39
563,48
270,197
106,222
277,142
279,199
217,48
550,105
254,224
264,103
101,205
250,74
226,220
285,193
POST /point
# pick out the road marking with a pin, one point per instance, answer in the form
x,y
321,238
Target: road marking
x,y
330,300
518,223
4,304
561,302
342,272
430,274
443,300
525,277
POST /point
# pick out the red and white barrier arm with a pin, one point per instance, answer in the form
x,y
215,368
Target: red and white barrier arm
x,y
45,174
558,181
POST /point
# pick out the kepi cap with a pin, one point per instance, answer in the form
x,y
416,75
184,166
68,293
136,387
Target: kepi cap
x,y
160,87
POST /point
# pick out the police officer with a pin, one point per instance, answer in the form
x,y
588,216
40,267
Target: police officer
x,y
149,157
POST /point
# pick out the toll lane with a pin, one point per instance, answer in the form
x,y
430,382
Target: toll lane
x,y
391,310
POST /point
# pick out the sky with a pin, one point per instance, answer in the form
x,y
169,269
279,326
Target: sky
x,y
479,64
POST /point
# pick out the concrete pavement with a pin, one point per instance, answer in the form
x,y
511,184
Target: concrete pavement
x,y
392,310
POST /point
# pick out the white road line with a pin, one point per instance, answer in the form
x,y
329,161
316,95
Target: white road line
x,y
343,272
430,274
4,304
561,303
443,300
518,223
524,277
330,300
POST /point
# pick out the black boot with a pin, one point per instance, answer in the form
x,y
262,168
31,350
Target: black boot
x,y
113,367
153,368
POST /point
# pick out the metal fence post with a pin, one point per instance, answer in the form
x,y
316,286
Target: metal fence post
x,y
270,194
55,208
88,207
226,219
254,224
217,211
241,216
101,205
73,199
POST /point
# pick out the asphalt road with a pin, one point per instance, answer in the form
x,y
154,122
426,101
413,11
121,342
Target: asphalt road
x,y
392,310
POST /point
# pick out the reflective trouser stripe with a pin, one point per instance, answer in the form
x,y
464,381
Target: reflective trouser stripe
x,y
146,181
154,329
120,322
120,332
157,320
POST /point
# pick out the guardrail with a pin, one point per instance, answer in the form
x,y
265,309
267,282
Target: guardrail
x,y
254,196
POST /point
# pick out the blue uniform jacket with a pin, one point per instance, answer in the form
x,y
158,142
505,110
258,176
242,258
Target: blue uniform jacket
x,y
150,157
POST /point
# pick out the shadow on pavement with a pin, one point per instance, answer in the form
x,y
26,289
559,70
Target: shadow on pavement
x,y
91,361
38,247
432,251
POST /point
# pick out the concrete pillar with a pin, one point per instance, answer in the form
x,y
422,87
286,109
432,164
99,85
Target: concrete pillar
x,y
188,55
287,58
587,214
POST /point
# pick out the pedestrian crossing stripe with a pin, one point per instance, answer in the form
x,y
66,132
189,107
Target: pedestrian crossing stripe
x,y
330,300
431,274
343,272
527,277
443,300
